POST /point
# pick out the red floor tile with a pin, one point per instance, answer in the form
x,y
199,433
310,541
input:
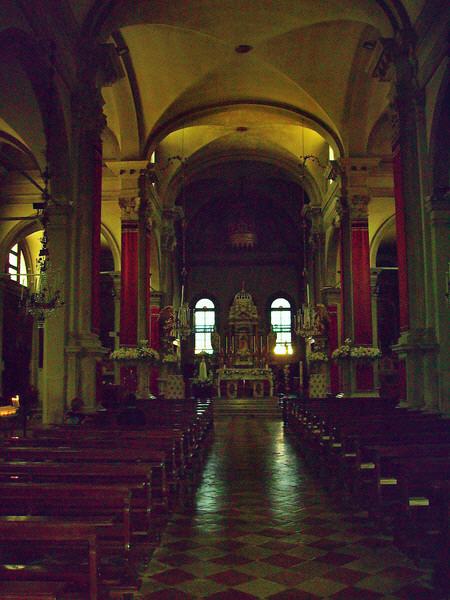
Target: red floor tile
x,y
169,594
231,559
293,595
231,577
231,595
173,576
283,560
344,575
334,558
352,593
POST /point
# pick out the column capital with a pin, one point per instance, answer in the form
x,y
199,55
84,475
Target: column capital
x,y
358,207
314,214
129,209
87,107
173,213
331,295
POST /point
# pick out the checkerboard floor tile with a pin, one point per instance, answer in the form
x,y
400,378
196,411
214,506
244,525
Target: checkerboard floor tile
x,y
261,526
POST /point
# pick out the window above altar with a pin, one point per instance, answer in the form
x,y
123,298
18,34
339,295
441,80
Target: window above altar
x,y
281,323
204,324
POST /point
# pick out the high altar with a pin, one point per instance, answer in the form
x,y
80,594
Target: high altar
x,y
245,353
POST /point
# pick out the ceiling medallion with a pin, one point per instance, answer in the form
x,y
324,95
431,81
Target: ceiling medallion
x,y
243,48
241,129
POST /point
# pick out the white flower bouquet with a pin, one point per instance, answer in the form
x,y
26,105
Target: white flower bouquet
x,y
316,357
142,352
348,350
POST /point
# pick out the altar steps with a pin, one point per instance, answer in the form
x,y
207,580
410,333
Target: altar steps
x,y
247,407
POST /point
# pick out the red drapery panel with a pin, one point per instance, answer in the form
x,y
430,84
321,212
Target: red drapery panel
x,y
129,284
362,309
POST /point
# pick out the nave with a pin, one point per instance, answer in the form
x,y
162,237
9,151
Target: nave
x,y
260,526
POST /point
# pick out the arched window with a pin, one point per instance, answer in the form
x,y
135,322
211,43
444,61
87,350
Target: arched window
x,y
204,322
16,265
281,323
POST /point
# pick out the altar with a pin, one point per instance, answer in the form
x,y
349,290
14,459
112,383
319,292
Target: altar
x,y
233,383
244,371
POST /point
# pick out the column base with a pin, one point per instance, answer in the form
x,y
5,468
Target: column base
x,y
83,355
418,348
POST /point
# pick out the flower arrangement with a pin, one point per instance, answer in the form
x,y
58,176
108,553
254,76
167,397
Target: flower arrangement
x,y
316,357
170,357
348,350
142,352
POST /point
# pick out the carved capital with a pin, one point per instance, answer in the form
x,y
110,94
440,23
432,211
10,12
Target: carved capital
x,y
87,107
129,209
175,213
168,237
358,206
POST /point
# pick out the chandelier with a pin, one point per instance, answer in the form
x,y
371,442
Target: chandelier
x,y
43,296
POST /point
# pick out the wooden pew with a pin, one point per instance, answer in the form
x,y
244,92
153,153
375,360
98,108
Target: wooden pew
x,y
79,502
32,590
155,459
137,477
41,532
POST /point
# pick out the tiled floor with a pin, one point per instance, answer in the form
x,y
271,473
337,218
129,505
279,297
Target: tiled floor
x,y
262,527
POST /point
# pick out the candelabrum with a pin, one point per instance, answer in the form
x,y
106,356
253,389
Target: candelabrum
x,y
182,326
308,322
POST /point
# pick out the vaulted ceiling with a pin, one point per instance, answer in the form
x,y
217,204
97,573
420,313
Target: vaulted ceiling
x,y
288,74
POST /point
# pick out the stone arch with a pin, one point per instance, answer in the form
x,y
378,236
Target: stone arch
x,y
112,245
332,257
385,228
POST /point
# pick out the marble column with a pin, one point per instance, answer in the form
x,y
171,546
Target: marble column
x,y
331,298
374,309
52,389
84,350
417,345
438,207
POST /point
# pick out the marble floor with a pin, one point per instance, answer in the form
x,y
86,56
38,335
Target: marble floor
x,y
262,527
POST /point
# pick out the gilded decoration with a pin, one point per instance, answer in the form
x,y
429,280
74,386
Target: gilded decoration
x,y
243,308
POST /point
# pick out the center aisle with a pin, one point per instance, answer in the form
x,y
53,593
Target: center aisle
x,y
262,527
